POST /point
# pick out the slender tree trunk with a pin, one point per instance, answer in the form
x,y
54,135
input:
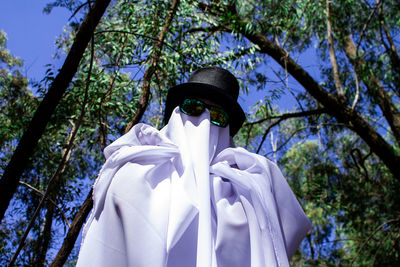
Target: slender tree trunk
x,y
80,217
374,87
333,105
44,239
152,68
332,56
73,232
31,136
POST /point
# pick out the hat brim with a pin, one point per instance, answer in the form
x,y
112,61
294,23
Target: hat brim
x,y
205,91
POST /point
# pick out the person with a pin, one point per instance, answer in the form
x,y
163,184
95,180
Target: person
x,y
186,196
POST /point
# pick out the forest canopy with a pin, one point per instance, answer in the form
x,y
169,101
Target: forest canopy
x,y
337,142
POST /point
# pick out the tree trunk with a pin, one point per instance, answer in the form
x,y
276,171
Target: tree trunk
x,y
73,232
44,239
80,217
31,136
333,105
374,87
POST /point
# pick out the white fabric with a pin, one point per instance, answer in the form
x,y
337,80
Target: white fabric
x,y
183,196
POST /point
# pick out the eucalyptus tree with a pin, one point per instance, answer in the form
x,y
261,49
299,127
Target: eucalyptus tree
x,y
360,74
104,95
348,105
354,88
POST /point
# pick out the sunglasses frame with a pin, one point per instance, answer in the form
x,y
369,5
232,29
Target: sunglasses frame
x,y
210,108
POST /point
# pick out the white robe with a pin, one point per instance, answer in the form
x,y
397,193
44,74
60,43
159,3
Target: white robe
x,y
184,196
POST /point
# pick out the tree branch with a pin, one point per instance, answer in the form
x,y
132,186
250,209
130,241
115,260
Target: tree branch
x,y
377,6
392,51
151,69
49,199
374,87
31,136
332,56
266,133
73,232
371,235
61,166
333,105
83,212
289,115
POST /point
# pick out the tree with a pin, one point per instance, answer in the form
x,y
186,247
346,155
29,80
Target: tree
x,y
25,148
338,146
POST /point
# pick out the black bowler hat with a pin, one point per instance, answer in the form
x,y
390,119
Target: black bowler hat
x,y
214,84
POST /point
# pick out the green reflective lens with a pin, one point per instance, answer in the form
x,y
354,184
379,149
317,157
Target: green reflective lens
x,y
194,107
218,116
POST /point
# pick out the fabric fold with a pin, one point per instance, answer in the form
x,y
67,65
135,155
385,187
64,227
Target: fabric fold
x,y
183,196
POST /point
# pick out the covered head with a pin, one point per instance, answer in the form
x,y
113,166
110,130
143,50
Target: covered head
x,y
215,84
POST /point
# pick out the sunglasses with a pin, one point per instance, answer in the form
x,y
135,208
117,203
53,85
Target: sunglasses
x,y
195,107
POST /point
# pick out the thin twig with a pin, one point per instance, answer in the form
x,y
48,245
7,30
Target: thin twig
x,y
147,37
288,88
304,128
367,22
281,118
332,56
250,127
379,246
155,56
370,236
61,166
273,145
356,97
83,212
289,115
266,133
79,8
40,193
359,162
73,232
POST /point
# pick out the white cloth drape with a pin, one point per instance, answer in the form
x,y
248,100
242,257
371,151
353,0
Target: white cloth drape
x,y
184,196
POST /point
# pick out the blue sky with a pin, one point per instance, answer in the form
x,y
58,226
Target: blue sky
x,y
31,33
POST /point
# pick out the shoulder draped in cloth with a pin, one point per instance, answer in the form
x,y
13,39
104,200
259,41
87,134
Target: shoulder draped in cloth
x,y
185,196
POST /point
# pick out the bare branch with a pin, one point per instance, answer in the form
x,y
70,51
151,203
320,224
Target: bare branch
x,y
374,87
204,29
79,8
40,193
288,88
280,119
377,6
54,180
31,136
290,115
304,128
153,65
332,55
266,133
359,162
335,107
73,232
371,235
356,97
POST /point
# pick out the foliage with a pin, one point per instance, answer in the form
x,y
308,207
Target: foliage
x,y
338,172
